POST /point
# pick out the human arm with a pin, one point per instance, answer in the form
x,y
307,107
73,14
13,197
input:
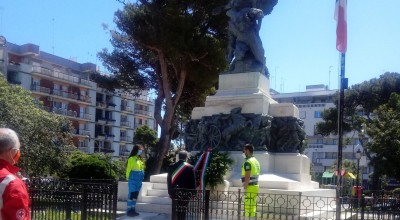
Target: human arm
x,y
16,201
129,167
246,179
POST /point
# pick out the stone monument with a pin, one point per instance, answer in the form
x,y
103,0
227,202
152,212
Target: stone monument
x,y
242,111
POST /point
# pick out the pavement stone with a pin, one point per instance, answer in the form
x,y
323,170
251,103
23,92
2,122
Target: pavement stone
x,y
146,216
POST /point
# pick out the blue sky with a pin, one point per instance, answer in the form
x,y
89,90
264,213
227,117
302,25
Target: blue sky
x,y
299,36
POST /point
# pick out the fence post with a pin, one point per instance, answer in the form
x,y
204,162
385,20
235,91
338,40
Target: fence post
x,y
299,205
84,203
115,199
206,204
68,209
173,212
239,204
362,206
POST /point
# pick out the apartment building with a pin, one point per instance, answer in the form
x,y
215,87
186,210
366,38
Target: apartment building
x,y
102,121
321,150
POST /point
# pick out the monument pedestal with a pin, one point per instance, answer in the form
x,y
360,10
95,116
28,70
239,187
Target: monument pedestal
x,y
250,91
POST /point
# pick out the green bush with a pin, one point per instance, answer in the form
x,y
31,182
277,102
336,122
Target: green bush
x,y
95,166
219,164
396,191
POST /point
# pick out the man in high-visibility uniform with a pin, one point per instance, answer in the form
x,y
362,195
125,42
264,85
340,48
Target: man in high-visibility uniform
x,y
134,175
250,173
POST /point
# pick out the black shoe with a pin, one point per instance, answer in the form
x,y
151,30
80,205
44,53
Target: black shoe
x,y
132,213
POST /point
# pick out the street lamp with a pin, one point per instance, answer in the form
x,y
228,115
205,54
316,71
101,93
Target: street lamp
x,y
358,157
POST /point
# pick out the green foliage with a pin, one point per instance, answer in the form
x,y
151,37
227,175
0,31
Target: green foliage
x,y
378,100
219,164
396,191
384,130
95,166
44,136
176,48
146,137
119,168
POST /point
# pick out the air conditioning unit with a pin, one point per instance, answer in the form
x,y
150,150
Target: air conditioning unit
x,y
49,98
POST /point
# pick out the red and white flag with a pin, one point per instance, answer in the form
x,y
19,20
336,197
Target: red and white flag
x,y
341,29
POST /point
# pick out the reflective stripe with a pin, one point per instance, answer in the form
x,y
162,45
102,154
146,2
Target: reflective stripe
x,y
3,186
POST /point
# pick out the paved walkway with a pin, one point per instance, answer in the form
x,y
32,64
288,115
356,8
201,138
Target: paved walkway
x,y
147,216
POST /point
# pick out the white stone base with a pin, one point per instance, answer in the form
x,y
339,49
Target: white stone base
x,y
250,91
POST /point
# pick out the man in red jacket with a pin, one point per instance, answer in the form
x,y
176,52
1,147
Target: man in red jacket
x,y
14,198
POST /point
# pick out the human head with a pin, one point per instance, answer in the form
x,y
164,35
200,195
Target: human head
x,y
183,155
135,150
248,149
9,145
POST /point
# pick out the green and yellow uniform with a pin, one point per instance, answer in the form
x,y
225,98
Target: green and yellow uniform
x,y
251,164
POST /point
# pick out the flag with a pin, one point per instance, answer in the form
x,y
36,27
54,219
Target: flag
x,y
341,29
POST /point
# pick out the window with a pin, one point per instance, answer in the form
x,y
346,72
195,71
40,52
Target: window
x,y
56,104
64,105
81,111
330,155
357,142
317,114
124,118
320,141
334,141
302,114
36,82
122,133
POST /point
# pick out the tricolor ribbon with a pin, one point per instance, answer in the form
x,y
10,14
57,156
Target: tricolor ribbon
x,y
204,159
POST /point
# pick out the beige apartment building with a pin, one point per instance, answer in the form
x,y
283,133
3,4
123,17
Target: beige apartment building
x,y
102,121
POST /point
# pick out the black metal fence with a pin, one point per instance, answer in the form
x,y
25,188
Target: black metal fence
x,y
191,204
72,199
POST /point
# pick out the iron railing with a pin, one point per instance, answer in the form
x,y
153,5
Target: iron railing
x,y
72,199
191,204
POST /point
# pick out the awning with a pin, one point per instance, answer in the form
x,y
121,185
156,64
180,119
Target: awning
x,y
327,174
348,174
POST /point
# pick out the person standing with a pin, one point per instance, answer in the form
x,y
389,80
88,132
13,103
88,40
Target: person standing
x,y
181,175
250,173
134,175
14,198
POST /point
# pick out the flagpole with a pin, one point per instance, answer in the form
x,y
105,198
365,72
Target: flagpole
x,y
343,84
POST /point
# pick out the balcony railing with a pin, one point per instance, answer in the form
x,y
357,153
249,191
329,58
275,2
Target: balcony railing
x,y
111,105
40,89
84,149
144,98
126,124
143,112
110,121
63,94
101,104
84,132
60,75
85,116
64,112
125,138
126,108
126,95
124,153
101,120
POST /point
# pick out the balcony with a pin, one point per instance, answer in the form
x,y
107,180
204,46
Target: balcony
x,y
110,122
110,137
126,95
125,138
126,108
111,105
106,150
84,132
61,76
85,116
144,98
41,89
101,120
124,154
101,104
125,124
101,136
143,112
74,96
84,149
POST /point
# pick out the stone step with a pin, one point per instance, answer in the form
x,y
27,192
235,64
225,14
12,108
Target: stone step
x,y
159,208
160,186
160,178
156,200
158,193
